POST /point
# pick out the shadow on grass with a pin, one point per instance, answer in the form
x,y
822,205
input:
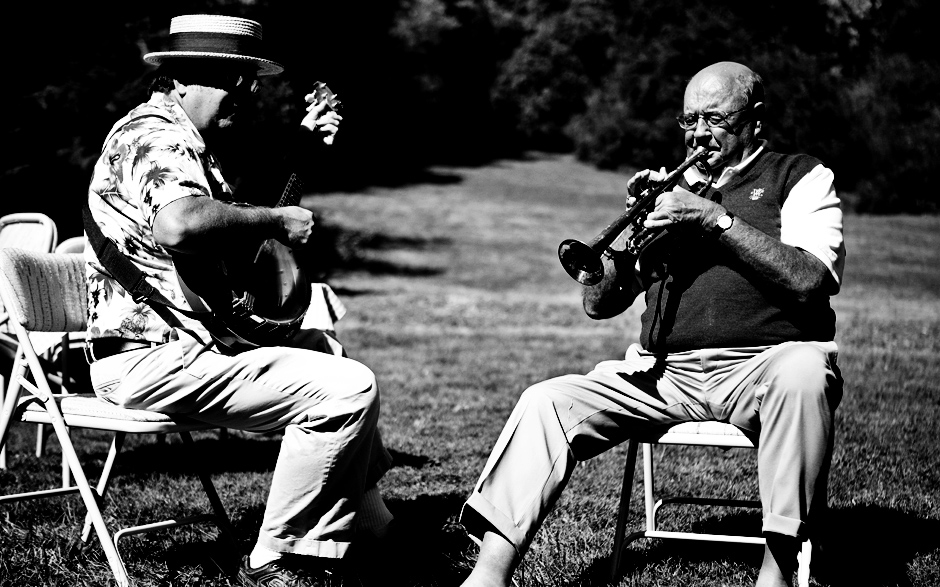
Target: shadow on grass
x,y
648,551
212,455
216,456
873,545
347,292
435,550
427,548
217,561
401,459
889,540
334,248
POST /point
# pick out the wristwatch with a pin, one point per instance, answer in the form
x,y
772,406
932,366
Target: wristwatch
x,y
724,223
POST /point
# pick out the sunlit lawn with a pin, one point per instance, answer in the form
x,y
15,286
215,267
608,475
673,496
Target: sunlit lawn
x,y
457,301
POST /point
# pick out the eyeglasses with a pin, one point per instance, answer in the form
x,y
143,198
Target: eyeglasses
x,y
246,83
230,81
712,119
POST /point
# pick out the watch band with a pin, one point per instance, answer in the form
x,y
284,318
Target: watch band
x,y
724,222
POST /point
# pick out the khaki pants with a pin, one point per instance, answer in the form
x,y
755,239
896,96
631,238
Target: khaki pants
x,y
784,395
327,405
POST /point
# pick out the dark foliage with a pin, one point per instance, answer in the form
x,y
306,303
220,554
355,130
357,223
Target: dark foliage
x,y
447,81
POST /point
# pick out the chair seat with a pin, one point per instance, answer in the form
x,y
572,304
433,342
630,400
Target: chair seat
x,y
707,433
88,411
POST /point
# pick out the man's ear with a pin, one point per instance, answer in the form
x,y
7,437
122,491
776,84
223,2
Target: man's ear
x,y
758,116
180,88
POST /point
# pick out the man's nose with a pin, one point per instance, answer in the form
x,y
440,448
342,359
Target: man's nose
x,y
702,130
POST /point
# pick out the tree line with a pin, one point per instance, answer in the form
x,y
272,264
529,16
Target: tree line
x,y
853,82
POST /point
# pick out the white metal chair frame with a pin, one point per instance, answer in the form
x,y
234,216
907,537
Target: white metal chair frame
x,y
37,232
25,280
716,434
28,230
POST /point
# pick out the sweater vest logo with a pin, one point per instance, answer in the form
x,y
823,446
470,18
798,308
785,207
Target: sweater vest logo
x,y
757,193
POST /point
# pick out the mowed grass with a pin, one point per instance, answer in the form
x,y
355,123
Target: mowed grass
x,y
457,301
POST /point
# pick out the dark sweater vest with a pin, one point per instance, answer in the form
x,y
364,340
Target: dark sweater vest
x,y
709,299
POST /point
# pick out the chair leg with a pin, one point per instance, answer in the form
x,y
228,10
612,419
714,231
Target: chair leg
x,y
224,523
64,369
626,491
3,446
66,471
649,488
40,440
10,400
91,503
805,559
41,432
105,479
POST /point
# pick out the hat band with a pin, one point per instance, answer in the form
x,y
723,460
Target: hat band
x,y
215,43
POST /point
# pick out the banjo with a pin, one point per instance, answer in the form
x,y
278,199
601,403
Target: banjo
x,y
258,294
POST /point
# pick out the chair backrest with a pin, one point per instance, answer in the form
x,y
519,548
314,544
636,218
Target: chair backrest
x,y
28,230
44,292
75,244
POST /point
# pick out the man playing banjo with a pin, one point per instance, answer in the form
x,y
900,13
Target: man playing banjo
x,y
157,191
737,328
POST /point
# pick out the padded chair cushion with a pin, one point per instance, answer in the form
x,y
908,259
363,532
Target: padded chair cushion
x,y
708,433
719,428
88,411
87,404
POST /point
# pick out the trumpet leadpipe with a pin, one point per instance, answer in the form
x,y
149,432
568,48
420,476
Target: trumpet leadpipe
x,y
583,261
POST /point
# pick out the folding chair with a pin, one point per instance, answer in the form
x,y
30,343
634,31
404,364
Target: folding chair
x,y
46,292
35,232
28,230
715,434
73,244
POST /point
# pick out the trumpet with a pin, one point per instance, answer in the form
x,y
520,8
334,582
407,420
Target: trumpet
x,y
583,261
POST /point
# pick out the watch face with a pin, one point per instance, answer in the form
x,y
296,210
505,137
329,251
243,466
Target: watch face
x,y
724,222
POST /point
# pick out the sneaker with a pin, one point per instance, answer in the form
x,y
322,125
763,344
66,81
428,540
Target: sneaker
x,y
291,571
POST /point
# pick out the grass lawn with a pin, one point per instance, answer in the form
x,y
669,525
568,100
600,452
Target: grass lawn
x,y
457,301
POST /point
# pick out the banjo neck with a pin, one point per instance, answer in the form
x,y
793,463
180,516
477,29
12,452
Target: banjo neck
x,y
292,192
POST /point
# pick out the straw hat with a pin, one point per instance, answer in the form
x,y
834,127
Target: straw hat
x,y
216,37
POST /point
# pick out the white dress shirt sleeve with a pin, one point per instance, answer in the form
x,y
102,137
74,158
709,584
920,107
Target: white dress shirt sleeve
x,y
811,219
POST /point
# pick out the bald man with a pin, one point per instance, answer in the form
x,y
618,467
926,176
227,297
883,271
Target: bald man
x,y
737,328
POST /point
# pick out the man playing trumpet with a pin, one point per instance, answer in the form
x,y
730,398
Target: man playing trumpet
x,y
737,328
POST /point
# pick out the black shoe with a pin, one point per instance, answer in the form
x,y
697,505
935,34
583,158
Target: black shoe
x,y
291,571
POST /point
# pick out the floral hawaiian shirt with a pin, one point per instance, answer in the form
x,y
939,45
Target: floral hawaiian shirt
x,y
152,157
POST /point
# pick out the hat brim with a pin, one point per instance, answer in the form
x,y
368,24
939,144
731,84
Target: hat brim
x,y
265,66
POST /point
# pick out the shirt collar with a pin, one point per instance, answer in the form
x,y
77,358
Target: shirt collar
x,y
693,175
177,115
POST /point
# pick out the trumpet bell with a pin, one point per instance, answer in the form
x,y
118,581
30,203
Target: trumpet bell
x,y
581,262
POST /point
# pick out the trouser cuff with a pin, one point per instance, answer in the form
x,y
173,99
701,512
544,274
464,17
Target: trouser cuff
x,y
499,521
320,548
782,525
